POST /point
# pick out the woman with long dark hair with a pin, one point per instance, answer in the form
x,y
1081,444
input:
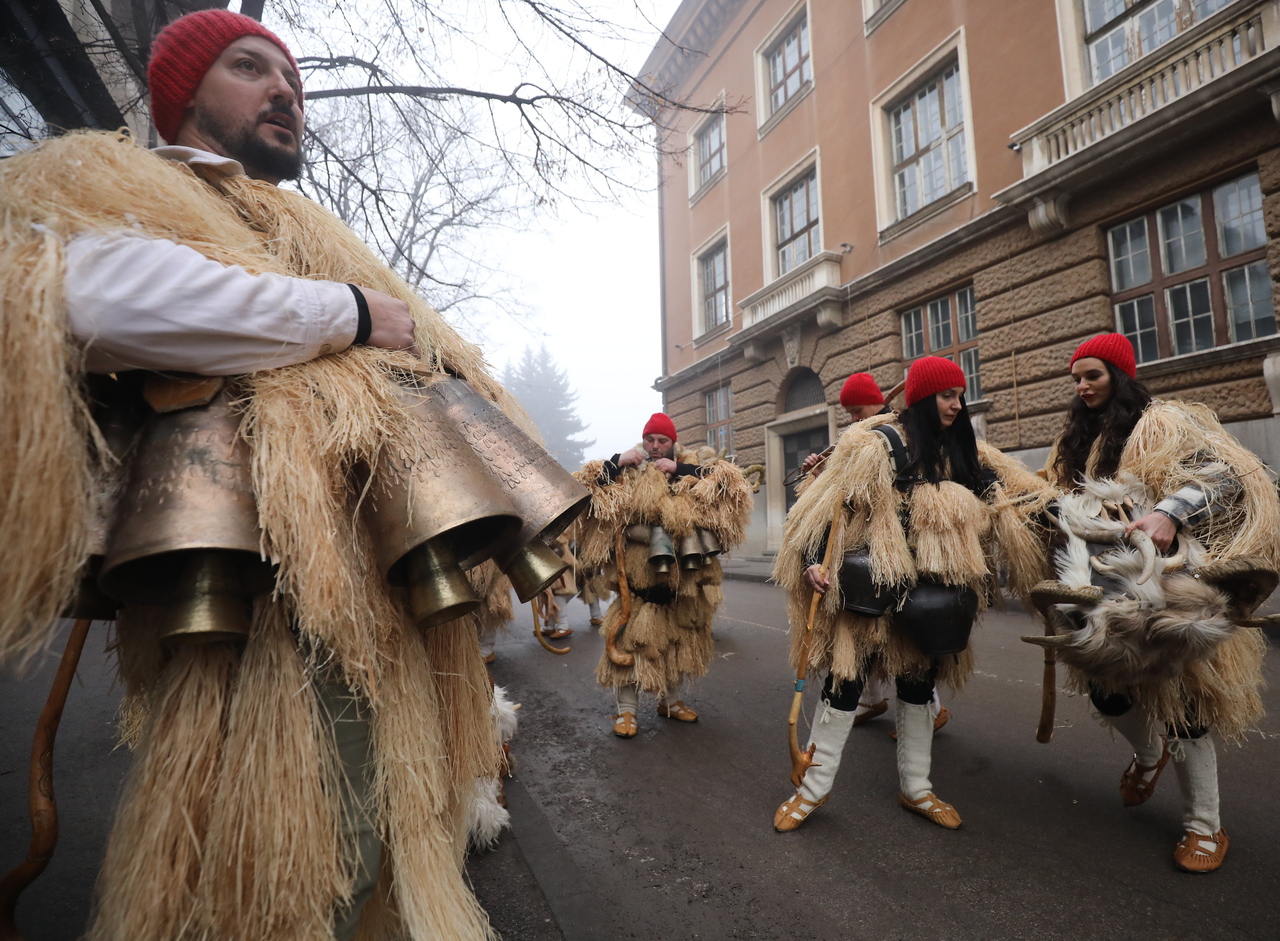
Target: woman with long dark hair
x,y
921,510
1156,641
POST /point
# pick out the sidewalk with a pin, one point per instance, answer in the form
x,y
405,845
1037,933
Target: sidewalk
x,y
746,568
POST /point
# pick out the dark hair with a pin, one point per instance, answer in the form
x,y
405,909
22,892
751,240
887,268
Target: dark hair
x,y
930,447
1111,425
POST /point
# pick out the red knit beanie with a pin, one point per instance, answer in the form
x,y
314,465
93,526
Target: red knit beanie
x,y
660,424
929,375
1113,348
860,389
185,50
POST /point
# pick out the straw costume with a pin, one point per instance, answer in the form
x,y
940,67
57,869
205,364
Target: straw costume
x,y
658,629
1158,642
907,533
245,814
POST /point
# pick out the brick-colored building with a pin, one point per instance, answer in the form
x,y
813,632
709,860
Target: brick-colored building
x,y
988,181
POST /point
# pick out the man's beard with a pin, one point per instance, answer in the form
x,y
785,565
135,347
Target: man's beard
x,y
254,153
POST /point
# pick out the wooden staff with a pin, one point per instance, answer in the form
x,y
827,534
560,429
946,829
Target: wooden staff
x,y
620,657
1048,684
537,632
802,760
40,801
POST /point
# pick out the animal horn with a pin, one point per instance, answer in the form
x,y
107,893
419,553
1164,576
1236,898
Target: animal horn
x,y
1106,537
1101,567
1147,549
1051,641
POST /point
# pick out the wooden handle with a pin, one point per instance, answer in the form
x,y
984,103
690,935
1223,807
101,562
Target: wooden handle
x,y
1048,696
801,761
619,657
40,800
537,631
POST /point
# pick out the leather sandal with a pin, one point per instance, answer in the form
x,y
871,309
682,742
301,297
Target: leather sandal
x,y
489,658
873,710
678,711
793,812
1135,787
932,809
624,725
556,633
1196,852
596,622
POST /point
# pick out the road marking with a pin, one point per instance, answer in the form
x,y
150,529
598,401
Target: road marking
x,y
767,627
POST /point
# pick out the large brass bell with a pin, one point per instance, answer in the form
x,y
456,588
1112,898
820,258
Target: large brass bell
x,y
662,551
186,541
434,513
710,544
546,495
690,552
117,411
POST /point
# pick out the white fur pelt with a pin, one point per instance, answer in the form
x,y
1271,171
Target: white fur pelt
x,y
1140,631
487,815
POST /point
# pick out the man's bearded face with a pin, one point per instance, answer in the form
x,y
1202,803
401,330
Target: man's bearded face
x,y
657,446
247,108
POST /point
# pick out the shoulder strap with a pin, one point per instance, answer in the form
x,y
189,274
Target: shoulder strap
x,y
895,445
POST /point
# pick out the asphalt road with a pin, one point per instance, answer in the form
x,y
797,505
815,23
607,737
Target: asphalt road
x,y
669,835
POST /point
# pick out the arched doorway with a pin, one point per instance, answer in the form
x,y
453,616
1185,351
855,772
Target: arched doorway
x,y
804,390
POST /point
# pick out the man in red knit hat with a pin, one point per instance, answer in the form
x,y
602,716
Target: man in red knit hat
x,y
227,99
670,532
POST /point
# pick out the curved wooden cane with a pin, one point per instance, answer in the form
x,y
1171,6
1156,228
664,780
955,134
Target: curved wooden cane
x,y
1048,686
620,657
40,801
537,632
801,761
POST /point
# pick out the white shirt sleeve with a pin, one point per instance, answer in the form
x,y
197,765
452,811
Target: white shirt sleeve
x,y
141,303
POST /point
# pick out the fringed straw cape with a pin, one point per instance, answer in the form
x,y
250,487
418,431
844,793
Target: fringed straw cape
x,y
671,642
227,826
951,535
1175,444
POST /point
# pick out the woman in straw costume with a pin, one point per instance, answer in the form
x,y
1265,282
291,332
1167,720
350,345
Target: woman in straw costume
x,y
1153,631
922,515
274,784
657,522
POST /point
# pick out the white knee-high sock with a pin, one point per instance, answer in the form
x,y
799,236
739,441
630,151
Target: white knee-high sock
x,y
915,748
1196,762
829,733
1140,732
628,699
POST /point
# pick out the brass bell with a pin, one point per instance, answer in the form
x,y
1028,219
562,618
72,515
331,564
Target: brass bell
x,y
690,552
117,412
534,567
710,544
435,512
546,495
213,602
662,551
189,489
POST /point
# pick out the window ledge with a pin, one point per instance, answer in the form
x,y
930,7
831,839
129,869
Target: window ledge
x,y
926,213
980,406
718,330
777,117
707,186
882,14
1230,353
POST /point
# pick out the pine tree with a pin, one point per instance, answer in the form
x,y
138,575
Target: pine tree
x,y
544,391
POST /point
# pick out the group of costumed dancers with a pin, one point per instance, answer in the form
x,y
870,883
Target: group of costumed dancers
x,y
1147,544
315,737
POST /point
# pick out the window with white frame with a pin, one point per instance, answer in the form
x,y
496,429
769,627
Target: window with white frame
x,y
1118,32
796,227
713,285
787,63
709,145
1193,274
927,137
720,419
949,324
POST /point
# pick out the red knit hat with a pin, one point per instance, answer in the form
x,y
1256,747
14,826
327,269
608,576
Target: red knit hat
x,y
660,424
860,389
1113,348
185,50
929,375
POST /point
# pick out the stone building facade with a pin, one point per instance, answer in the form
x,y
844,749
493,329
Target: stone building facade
x,y
986,181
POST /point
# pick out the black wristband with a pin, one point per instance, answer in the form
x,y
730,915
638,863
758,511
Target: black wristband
x,y
364,323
